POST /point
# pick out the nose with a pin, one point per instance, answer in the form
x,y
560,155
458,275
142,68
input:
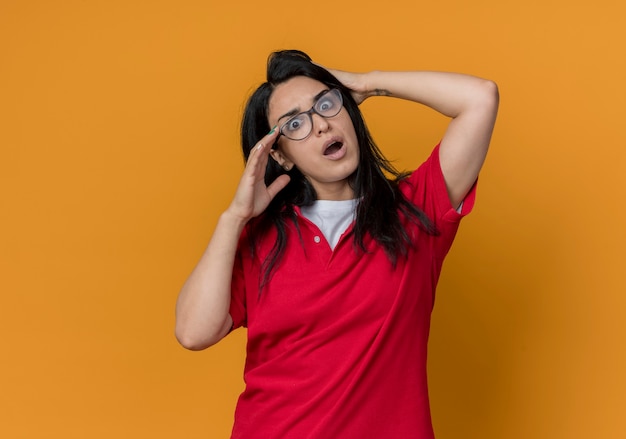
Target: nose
x,y
320,124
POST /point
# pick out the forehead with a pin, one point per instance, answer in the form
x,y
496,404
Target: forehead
x,y
297,93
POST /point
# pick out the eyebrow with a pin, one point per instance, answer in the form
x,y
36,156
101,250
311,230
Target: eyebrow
x,y
295,111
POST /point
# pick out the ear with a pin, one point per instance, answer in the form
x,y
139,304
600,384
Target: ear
x,y
281,159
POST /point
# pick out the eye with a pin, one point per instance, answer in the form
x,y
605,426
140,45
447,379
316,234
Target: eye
x,y
294,124
325,104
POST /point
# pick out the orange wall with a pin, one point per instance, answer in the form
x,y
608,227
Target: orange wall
x,y
119,148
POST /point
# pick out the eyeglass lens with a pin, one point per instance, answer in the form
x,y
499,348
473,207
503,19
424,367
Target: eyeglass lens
x,y
300,126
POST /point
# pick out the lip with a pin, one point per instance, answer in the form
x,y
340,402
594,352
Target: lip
x,y
337,155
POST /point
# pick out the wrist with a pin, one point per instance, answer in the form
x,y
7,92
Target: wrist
x,y
233,219
374,85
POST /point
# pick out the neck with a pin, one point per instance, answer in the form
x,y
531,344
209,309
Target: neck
x,y
334,192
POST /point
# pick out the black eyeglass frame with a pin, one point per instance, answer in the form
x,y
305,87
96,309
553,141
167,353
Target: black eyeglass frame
x,y
335,91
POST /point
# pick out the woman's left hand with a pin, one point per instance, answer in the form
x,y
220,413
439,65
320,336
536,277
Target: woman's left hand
x,y
356,82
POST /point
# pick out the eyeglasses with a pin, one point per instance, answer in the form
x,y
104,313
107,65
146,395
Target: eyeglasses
x,y
300,126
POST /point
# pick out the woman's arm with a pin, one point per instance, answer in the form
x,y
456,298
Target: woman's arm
x,y
202,309
471,102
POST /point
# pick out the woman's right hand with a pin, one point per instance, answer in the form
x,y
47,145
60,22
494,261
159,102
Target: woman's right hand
x,y
253,196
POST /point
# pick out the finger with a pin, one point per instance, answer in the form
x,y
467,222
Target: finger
x,y
339,74
255,168
278,185
264,145
269,138
259,156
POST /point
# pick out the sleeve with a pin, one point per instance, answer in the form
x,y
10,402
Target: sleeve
x,y
238,291
427,189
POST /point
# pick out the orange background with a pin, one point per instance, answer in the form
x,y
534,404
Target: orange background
x,y
119,149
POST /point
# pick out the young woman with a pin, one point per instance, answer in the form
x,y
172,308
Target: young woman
x,y
330,257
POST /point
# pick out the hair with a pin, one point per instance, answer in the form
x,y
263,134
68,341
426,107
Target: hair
x,y
381,203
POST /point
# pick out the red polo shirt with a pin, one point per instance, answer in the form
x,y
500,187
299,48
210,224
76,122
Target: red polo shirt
x,y
337,340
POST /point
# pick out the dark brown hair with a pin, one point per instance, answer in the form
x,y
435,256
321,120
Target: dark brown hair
x,y
381,203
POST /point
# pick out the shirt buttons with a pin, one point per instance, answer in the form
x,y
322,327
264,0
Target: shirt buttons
x,y
317,239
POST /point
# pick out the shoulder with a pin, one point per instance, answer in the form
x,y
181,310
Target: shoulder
x,y
426,188
428,177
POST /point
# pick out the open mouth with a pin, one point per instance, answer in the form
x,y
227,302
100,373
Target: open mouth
x,y
333,148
